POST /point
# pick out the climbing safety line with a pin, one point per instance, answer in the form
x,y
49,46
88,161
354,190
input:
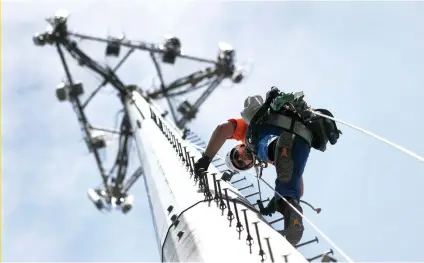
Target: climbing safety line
x,y
310,223
294,208
400,148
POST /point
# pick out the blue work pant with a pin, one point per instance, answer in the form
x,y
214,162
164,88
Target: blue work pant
x,y
300,154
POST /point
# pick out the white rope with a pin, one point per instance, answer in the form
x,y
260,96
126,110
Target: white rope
x,y
400,148
295,209
312,224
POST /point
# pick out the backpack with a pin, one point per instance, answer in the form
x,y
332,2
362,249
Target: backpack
x,y
324,130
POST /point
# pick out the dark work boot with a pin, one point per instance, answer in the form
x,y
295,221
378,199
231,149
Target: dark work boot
x,y
283,157
293,223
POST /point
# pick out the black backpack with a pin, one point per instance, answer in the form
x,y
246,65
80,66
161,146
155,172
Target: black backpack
x,y
324,130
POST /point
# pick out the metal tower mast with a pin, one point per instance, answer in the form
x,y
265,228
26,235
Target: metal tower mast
x,y
187,210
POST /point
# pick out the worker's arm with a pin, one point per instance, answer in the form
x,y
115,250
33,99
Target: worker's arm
x,y
221,133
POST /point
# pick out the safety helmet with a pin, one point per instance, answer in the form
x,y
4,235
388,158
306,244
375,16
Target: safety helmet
x,y
251,106
233,163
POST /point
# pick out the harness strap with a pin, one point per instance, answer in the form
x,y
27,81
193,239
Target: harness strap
x,y
252,135
291,125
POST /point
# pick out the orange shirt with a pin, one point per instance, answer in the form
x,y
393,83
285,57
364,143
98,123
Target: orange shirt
x,y
240,131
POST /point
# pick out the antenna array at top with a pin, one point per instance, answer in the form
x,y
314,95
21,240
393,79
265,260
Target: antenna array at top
x,y
115,185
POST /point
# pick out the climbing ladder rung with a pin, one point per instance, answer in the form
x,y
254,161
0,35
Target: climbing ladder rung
x,y
219,165
263,201
276,220
243,188
247,196
307,242
239,180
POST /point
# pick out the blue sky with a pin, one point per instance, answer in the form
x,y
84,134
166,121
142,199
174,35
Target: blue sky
x,y
361,60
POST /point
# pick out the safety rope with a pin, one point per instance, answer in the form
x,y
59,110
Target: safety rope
x,y
295,209
311,224
394,145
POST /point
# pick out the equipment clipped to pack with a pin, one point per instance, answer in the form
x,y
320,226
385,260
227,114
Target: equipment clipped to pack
x,y
324,130
259,166
288,101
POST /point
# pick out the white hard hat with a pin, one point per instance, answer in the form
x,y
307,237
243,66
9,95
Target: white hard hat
x,y
251,106
229,161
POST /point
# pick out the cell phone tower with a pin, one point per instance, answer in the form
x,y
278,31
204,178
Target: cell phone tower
x,y
196,217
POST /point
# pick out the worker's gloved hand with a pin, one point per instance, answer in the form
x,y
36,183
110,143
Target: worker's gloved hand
x,y
269,209
202,163
272,94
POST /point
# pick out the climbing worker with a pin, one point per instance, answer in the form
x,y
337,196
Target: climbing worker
x,y
280,131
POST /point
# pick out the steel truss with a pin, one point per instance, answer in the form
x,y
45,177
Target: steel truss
x,y
114,189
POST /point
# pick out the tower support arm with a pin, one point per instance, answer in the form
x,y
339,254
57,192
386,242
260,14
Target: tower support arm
x,y
162,85
192,79
215,83
140,45
82,118
122,159
85,60
131,181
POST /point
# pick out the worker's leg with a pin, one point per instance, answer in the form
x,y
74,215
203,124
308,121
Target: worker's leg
x,y
291,191
284,152
300,155
283,156
293,223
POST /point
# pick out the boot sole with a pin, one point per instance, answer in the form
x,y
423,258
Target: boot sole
x,y
283,157
294,232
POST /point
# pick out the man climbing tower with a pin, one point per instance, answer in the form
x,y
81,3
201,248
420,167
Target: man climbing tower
x,y
280,131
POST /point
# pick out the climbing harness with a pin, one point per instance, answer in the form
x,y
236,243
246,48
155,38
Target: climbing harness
x,y
286,110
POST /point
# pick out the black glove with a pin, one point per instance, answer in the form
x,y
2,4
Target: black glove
x,y
202,163
269,209
272,94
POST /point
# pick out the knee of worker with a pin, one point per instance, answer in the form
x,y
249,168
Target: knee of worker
x,y
291,188
287,190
